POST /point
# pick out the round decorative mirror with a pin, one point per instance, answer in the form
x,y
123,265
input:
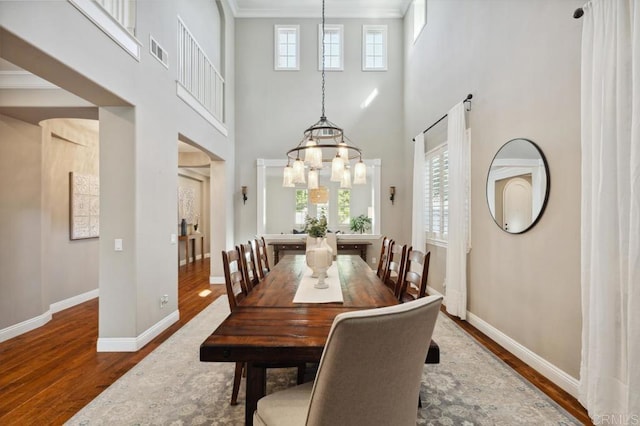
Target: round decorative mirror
x,y
518,186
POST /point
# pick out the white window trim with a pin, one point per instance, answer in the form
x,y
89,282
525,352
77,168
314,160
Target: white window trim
x,y
332,27
374,28
276,47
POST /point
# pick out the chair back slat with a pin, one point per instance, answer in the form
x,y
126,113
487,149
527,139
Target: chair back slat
x,y
233,277
249,269
395,270
262,258
383,262
414,283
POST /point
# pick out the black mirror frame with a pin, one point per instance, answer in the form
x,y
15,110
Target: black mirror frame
x,y
546,192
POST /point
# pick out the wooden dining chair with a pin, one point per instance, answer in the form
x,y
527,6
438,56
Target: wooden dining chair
x,y
236,291
261,255
395,270
383,261
416,271
369,373
248,263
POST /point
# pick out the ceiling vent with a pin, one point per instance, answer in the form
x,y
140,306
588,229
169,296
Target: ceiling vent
x,y
158,52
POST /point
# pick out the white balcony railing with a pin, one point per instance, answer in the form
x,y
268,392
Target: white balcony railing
x,y
123,11
198,76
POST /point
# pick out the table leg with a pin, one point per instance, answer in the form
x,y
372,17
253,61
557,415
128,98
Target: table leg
x,y
193,249
256,389
186,253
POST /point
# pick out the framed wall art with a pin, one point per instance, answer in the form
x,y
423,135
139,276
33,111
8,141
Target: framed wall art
x,y
84,206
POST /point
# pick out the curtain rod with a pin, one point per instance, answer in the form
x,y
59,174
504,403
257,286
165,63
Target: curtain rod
x,y
467,99
577,14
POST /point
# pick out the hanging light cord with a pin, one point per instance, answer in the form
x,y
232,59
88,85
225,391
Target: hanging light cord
x,y
323,116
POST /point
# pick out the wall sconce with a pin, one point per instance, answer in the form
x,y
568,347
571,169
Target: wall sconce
x,y
244,195
392,193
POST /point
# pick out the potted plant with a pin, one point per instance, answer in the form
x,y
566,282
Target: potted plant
x,y
315,227
360,224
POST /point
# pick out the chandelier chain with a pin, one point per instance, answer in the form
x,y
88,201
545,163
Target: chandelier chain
x,y
323,46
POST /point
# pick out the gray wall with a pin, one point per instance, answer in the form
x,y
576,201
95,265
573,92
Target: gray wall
x,y
521,61
274,107
20,227
141,119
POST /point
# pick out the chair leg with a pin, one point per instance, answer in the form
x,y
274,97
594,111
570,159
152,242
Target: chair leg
x,y
301,371
237,376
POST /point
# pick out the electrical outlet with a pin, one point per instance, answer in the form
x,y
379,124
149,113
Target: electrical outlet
x,y
373,260
164,300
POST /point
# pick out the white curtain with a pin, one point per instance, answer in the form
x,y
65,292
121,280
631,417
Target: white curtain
x,y
610,228
418,240
458,228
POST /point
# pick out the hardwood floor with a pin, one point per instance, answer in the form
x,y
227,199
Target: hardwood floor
x,y
49,374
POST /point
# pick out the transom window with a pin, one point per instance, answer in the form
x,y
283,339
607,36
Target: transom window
x,y
287,47
333,47
374,47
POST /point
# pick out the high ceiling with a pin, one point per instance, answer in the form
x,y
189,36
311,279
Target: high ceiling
x,y
313,8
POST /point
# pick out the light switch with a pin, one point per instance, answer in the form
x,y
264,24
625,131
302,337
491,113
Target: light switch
x,y
174,238
118,244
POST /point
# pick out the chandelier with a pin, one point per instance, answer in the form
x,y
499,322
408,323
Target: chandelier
x,y
324,142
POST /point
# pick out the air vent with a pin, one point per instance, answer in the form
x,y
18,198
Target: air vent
x,y
158,52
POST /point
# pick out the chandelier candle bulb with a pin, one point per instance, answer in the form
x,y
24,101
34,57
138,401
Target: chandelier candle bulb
x,y
337,169
313,179
360,173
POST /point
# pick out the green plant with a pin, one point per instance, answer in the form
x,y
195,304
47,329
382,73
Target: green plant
x,y
315,227
360,223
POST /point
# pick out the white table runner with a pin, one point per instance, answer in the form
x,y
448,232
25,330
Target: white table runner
x,y
307,293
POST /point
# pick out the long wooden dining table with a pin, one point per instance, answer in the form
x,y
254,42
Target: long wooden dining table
x,y
267,328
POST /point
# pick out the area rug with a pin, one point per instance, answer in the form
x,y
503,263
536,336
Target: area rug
x,y
171,386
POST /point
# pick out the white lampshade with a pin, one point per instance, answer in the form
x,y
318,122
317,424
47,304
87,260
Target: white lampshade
x,y
343,152
313,179
287,178
298,171
360,173
313,156
346,179
337,169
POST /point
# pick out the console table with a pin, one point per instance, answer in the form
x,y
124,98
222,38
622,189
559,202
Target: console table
x,y
191,239
359,246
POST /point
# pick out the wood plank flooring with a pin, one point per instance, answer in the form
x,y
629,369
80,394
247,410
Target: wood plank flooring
x,y
50,373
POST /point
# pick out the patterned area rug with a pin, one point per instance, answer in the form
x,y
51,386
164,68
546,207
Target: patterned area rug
x,y
172,387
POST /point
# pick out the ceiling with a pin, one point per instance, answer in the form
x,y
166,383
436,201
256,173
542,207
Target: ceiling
x,y
313,8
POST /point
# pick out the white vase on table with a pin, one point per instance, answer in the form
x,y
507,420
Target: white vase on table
x,y
319,259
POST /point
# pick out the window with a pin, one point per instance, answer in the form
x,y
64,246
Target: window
x,y
333,52
344,206
287,47
436,195
322,210
302,206
374,47
419,17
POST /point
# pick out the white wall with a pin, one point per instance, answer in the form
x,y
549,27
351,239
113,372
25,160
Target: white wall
x,y
521,62
273,108
141,119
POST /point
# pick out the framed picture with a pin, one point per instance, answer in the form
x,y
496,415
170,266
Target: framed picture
x,y
84,206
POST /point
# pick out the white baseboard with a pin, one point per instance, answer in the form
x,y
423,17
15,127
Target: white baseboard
x,y
25,326
535,361
133,344
216,280
73,301
198,257
33,323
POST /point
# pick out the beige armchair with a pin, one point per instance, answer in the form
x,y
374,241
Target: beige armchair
x,y
369,373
